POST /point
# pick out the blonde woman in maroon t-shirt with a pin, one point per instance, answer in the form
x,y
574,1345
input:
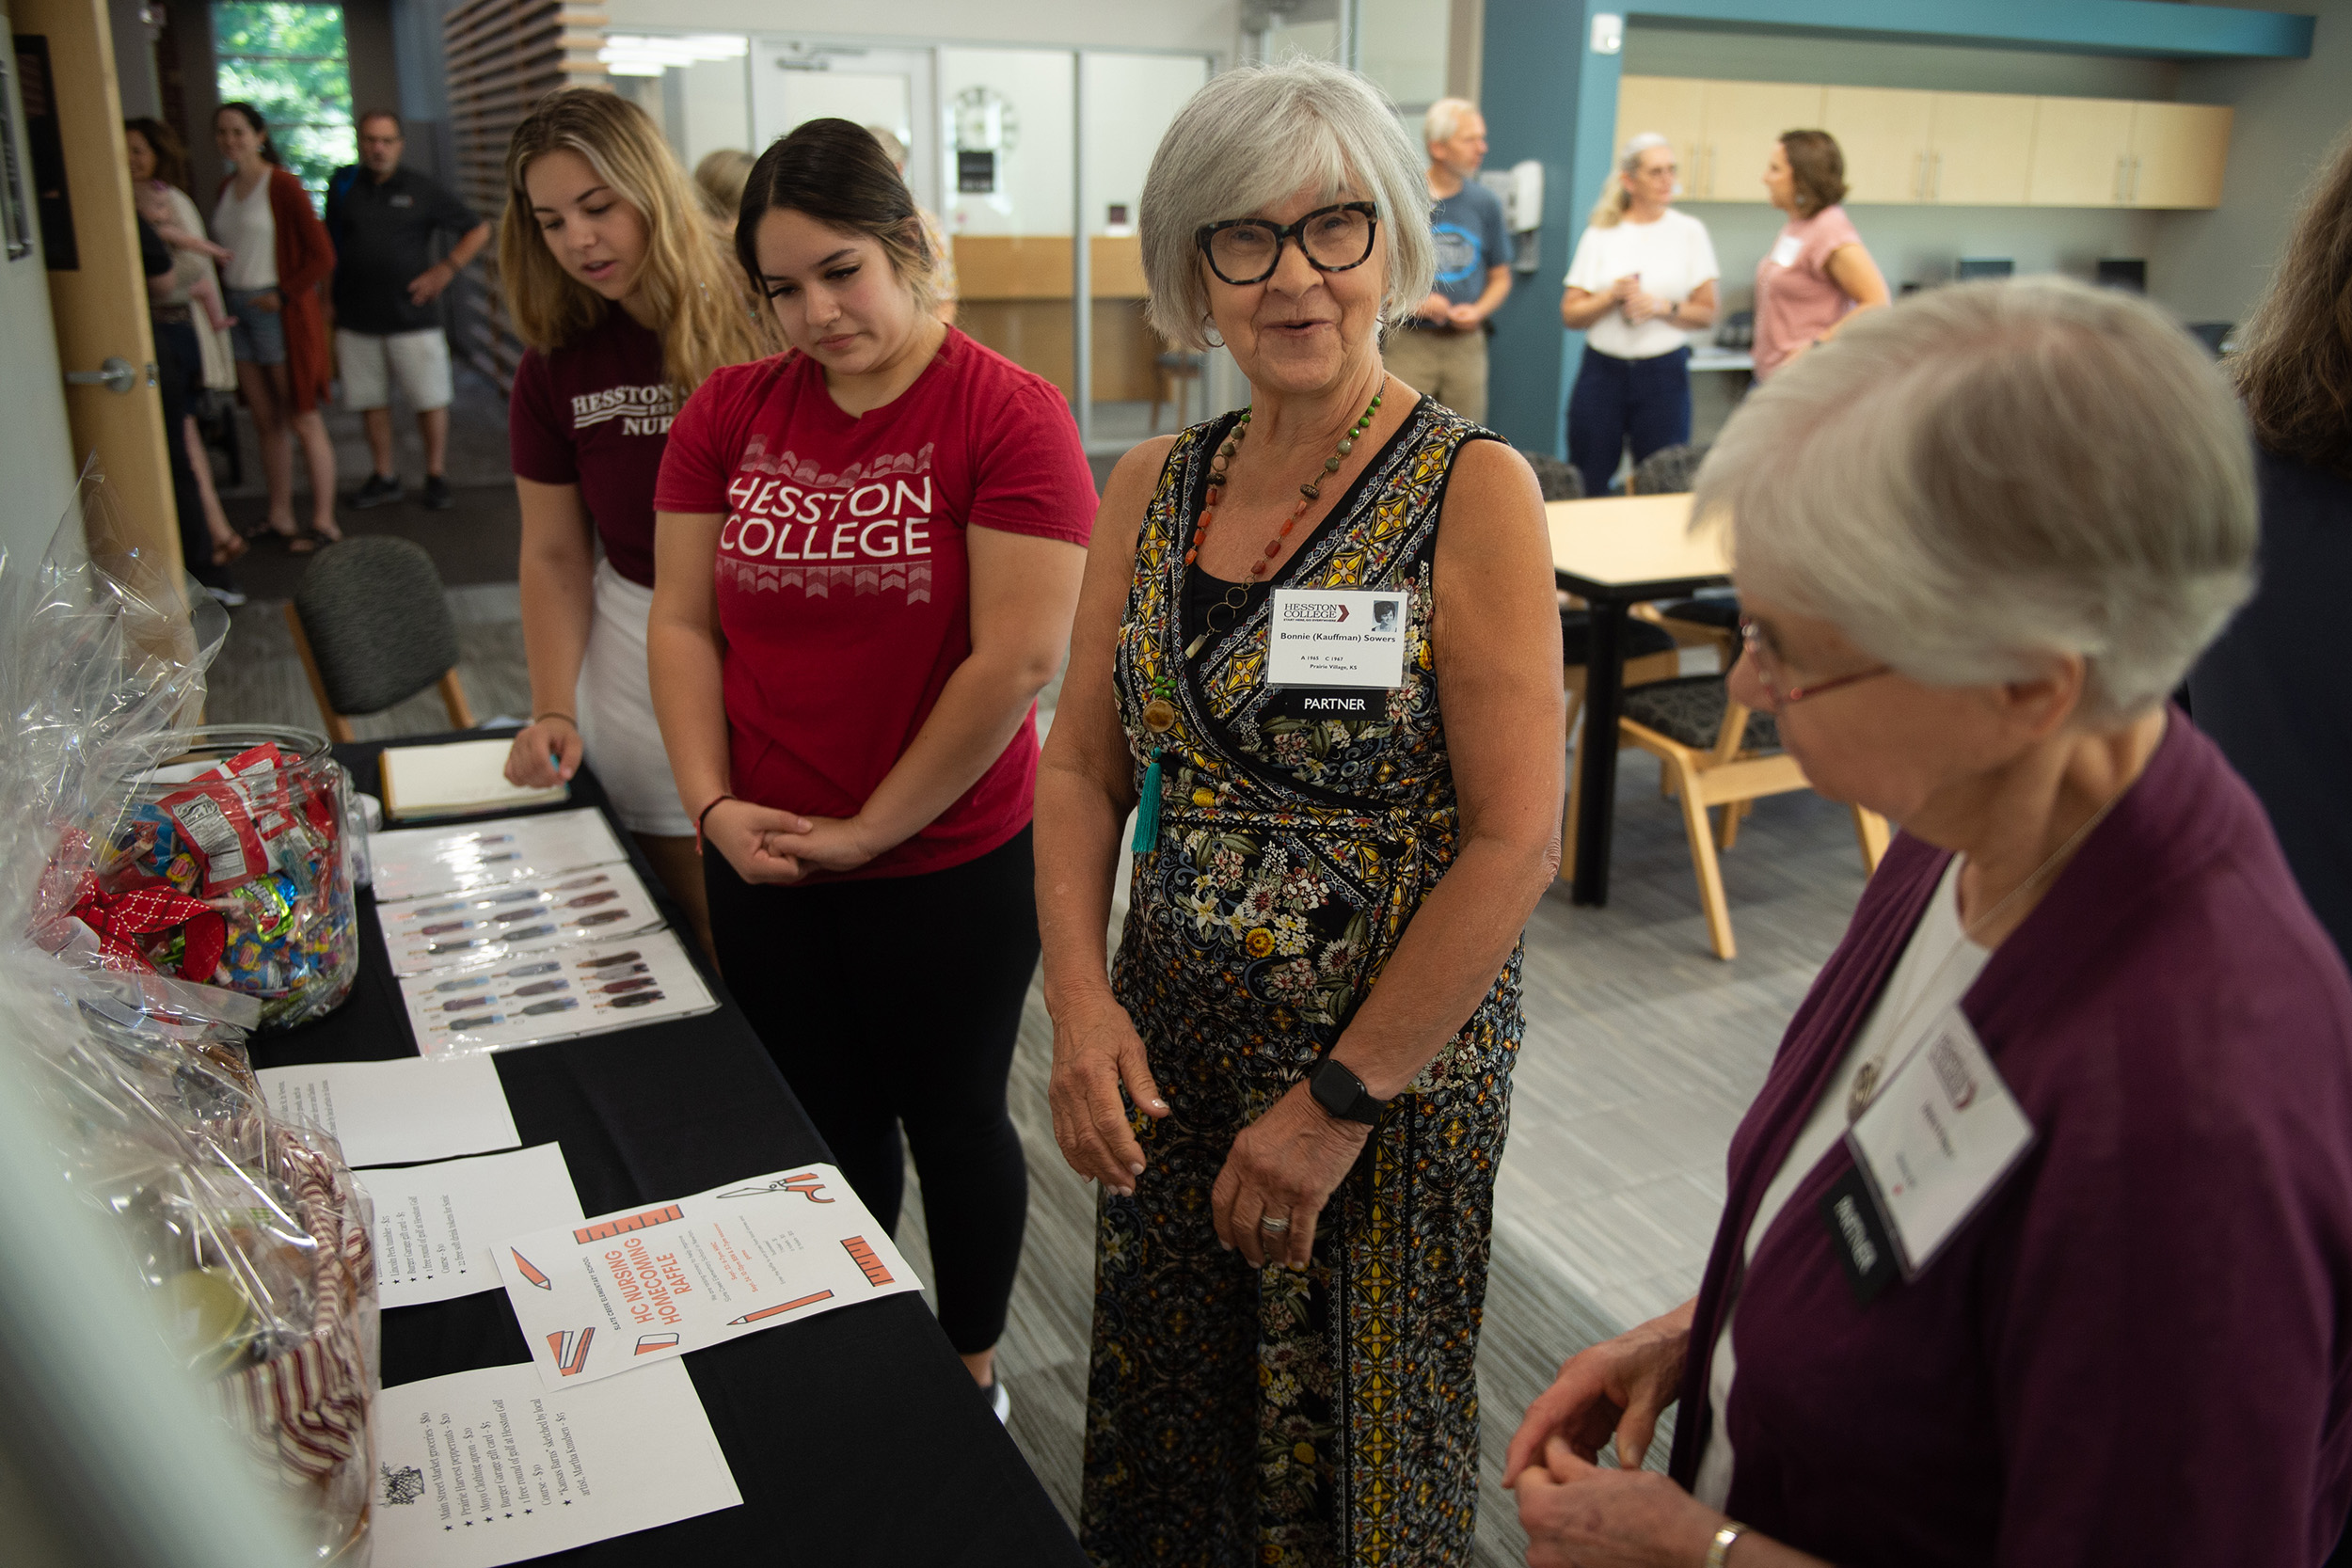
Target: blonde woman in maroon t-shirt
x,y
627,301
869,559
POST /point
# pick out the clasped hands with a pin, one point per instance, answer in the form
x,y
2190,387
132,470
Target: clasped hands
x,y
1636,305
765,845
1441,311
1577,1514
1283,1167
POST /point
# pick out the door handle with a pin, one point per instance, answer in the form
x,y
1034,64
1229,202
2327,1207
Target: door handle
x,y
117,376
2134,196
2122,162
1935,178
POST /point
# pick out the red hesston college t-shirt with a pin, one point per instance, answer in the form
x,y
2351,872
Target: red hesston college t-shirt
x,y
843,584
595,414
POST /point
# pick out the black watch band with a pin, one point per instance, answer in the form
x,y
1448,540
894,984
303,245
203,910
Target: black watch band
x,y
1338,1091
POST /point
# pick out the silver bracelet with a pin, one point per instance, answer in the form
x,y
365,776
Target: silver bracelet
x,y
1719,1551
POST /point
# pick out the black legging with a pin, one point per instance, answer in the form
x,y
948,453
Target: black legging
x,y
897,1000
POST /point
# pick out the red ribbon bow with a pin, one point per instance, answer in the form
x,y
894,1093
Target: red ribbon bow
x,y
119,917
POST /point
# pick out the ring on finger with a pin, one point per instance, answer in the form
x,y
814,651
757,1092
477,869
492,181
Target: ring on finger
x,y
1276,1223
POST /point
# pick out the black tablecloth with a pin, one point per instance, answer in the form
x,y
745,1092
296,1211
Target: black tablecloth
x,y
856,1437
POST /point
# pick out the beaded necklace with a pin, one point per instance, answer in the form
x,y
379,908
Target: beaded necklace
x,y
1159,714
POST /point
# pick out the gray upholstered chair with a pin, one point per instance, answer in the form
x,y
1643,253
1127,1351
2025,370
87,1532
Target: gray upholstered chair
x,y
1667,471
374,629
1559,480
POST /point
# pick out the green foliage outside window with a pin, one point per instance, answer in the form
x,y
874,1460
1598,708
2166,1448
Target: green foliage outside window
x,y
289,60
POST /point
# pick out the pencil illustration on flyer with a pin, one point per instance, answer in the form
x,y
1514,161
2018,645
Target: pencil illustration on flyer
x,y
663,1278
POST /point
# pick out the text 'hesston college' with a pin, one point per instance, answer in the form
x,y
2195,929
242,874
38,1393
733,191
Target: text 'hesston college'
x,y
772,519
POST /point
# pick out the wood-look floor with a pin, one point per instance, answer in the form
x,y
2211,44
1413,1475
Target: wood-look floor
x,y
1642,1051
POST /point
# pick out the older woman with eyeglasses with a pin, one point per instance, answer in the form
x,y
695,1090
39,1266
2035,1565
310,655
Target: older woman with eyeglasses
x,y
1297,1187
2037,1244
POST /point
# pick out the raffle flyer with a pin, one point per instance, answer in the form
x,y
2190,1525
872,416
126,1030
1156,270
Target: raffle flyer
x,y
622,1290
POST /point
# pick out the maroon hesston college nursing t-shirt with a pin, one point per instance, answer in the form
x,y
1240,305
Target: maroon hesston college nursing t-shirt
x,y
595,413
842,578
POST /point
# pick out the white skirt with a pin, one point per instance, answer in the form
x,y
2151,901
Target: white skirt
x,y
615,707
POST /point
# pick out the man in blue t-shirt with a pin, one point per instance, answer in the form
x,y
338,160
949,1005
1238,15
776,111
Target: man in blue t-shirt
x,y
1441,352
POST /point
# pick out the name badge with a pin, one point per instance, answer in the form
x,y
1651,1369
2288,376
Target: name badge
x,y
403,200
1784,250
1327,637
1938,1141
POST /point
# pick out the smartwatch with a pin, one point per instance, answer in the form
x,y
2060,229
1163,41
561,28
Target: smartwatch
x,y
1342,1094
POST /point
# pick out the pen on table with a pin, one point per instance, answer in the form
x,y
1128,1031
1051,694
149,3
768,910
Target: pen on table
x,y
780,1306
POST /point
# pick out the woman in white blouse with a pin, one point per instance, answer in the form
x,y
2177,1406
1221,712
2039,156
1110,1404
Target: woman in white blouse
x,y
1642,277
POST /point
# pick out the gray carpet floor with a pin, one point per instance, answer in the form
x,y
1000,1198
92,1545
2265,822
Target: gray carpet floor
x,y
1641,1051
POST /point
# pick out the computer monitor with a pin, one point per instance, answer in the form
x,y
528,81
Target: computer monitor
x,y
2124,272
1984,266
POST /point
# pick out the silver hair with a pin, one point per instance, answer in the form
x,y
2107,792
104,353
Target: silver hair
x,y
1445,117
1615,198
1990,474
1255,137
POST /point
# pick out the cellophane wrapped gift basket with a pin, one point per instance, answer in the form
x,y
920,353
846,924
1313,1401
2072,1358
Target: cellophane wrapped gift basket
x,y
163,892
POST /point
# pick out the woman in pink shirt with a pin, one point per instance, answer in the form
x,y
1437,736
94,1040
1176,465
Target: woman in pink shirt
x,y
1816,273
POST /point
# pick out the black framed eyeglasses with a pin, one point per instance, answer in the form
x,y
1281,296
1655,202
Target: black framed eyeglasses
x,y
1333,239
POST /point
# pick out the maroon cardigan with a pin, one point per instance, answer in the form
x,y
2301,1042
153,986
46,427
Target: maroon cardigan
x,y
305,258
2140,1351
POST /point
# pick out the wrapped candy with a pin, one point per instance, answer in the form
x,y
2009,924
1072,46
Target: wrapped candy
x,y
251,824
138,857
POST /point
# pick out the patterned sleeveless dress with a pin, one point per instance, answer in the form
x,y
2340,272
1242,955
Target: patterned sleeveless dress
x,y
1267,1417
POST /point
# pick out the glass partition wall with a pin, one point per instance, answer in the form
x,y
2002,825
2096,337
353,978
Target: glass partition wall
x,y
1032,159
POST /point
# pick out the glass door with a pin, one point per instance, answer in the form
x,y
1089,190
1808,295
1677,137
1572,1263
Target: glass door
x,y
1137,383
794,83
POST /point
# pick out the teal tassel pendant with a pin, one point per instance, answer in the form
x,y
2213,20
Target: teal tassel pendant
x,y
1147,810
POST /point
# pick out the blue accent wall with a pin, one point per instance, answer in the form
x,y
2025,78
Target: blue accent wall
x,y
1548,96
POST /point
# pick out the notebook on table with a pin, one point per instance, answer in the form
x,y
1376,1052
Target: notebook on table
x,y
456,780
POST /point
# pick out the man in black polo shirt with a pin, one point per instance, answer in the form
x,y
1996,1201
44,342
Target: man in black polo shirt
x,y
383,219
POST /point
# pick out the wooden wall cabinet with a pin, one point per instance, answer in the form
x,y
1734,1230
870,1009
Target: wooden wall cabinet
x,y
1905,147
2106,153
1722,132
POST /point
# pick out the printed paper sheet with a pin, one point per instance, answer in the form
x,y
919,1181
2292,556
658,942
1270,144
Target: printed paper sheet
x,y
489,926
659,1280
415,863
396,1112
490,1006
486,1467
436,1225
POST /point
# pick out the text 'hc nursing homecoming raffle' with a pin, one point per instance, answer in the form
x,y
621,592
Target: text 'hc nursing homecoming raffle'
x,y
625,1288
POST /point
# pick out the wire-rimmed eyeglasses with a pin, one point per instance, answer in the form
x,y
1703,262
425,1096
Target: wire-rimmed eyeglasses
x,y
1333,239
1780,697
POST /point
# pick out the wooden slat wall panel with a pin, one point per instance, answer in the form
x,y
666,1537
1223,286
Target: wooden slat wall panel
x,y
503,57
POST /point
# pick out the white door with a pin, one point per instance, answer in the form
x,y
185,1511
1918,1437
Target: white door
x,y
793,83
35,446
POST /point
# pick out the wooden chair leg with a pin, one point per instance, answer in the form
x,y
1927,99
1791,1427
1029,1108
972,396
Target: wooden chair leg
x,y
1703,862
1568,818
338,727
1735,813
1870,828
453,698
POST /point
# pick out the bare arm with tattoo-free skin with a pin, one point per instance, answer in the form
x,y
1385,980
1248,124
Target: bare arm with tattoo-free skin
x,y
558,573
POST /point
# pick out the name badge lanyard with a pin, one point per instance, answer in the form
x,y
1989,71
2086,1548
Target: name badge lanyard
x,y
1861,1243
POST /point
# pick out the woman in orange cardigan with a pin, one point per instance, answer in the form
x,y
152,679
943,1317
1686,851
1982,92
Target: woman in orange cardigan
x,y
279,254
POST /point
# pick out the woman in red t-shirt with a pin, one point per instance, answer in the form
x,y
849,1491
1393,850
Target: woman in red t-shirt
x,y
627,303
870,556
